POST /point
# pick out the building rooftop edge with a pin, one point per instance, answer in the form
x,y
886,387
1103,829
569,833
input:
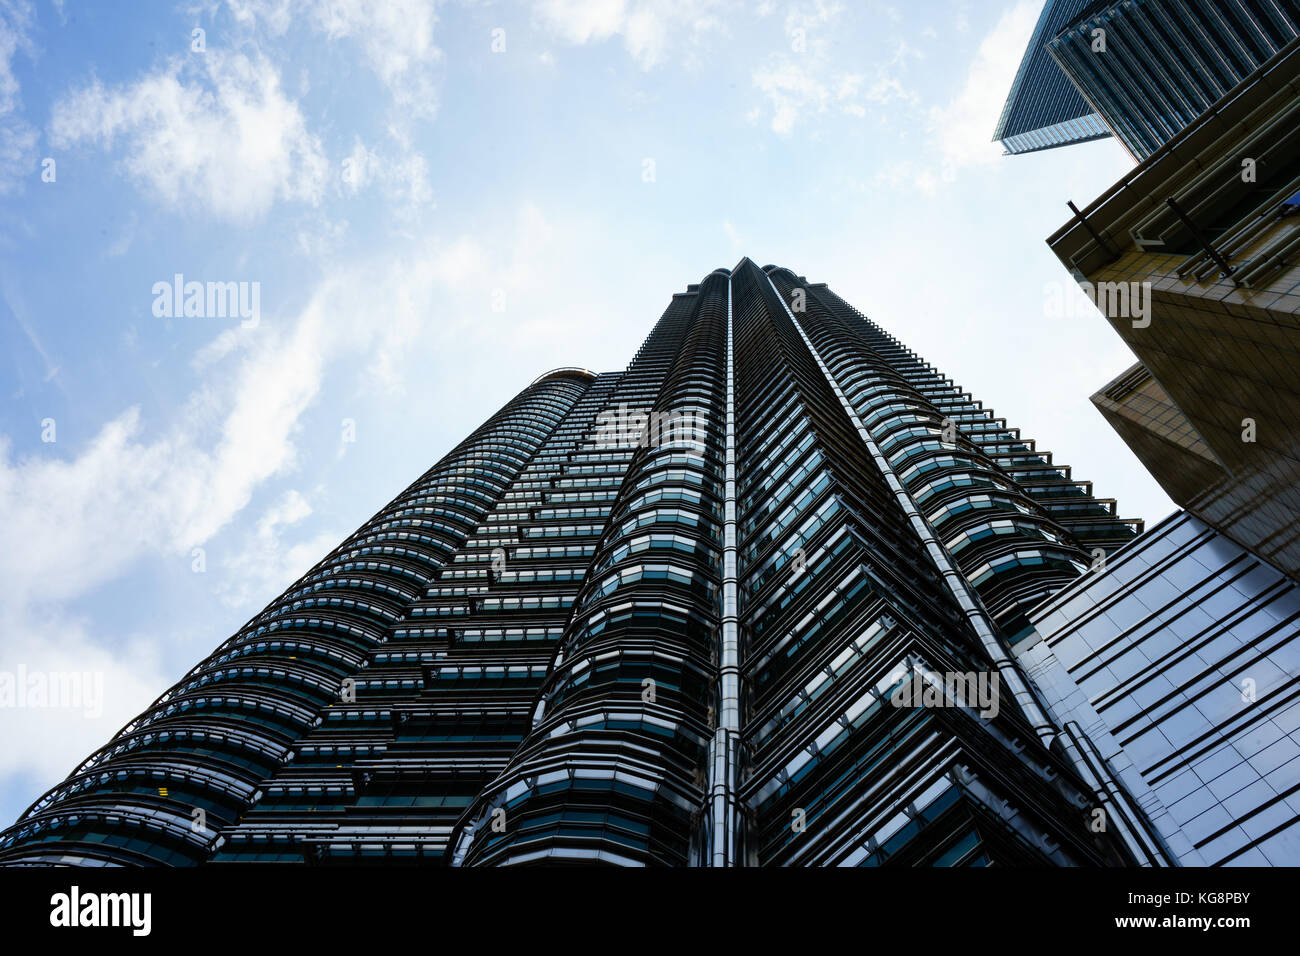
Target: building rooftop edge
x,y
566,371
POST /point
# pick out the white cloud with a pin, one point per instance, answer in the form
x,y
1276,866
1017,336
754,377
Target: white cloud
x,y
321,237
798,87
958,133
649,28
85,518
404,178
17,137
905,175
216,130
47,743
963,128
264,563
17,153
122,244
805,16
806,81
15,19
397,43
396,38
359,167
791,90
276,15
732,234
582,21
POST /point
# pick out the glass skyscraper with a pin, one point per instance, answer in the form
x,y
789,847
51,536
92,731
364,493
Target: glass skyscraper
x,y
1140,70
1044,109
1150,67
752,601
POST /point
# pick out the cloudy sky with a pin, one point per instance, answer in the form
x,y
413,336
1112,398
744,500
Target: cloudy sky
x,y
437,201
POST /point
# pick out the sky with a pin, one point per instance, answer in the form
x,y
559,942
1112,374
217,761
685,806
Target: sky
x,y
425,205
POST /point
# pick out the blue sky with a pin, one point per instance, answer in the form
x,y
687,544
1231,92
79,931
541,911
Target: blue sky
x,y
438,201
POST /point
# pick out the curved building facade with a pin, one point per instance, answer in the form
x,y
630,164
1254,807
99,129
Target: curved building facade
x,y
751,601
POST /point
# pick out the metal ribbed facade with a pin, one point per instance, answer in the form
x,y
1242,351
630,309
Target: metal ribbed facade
x,y
1165,62
222,739
868,606
657,617
614,767
1043,109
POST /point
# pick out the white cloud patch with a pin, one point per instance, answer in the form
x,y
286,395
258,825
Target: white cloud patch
x,y
126,235
321,237
15,20
127,493
732,234
113,686
17,137
650,29
818,13
265,563
805,80
275,15
792,91
17,153
403,178
216,131
963,128
959,132
396,38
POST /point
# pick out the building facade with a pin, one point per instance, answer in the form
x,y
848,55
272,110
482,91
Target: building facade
x,y
754,600
1148,68
1044,109
1181,663
1192,258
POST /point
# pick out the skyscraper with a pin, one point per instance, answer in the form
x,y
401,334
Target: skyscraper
x,y
1138,70
1044,109
1150,67
752,601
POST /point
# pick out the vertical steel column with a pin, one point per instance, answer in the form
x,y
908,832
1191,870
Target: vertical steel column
x,y
724,748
